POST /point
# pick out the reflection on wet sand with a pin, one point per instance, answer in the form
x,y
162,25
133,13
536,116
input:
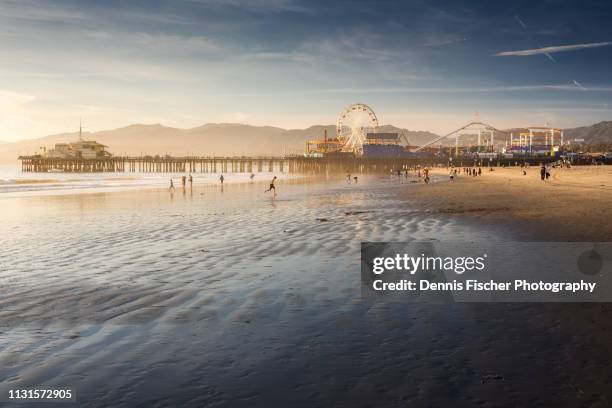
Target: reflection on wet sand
x,y
233,299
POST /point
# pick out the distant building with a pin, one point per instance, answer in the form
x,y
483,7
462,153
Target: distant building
x,y
322,147
382,138
384,145
81,149
535,141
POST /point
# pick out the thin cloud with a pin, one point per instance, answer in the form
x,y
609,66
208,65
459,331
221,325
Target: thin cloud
x,y
551,50
445,90
260,6
439,43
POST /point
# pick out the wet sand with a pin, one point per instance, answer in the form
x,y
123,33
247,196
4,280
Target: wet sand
x,y
142,298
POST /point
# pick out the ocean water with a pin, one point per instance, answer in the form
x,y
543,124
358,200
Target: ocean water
x,y
14,182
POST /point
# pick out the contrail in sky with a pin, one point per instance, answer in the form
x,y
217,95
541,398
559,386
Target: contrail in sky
x,y
578,85
520,22
551,50
518,19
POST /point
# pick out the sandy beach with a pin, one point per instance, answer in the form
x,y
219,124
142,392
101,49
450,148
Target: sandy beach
x,y
230,298
572,205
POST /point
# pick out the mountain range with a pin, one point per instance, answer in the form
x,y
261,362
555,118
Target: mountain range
x,y
598,133
233,139
211,139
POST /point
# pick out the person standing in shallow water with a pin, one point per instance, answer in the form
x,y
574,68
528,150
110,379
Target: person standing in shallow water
x,y
190,181
171,186
221,179
272,187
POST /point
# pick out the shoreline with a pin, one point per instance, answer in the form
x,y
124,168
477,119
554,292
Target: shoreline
x,y
51,187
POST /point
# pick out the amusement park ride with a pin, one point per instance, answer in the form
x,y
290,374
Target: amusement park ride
x,y
356,134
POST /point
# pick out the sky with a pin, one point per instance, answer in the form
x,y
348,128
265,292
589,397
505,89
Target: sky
x,y
421,65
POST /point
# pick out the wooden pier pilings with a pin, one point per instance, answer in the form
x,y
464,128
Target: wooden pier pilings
x,y
194,164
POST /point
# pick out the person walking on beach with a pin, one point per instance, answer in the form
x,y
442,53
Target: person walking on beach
x,y
272,187
171,186
542,172
221,179
480,171
252,176
190,181
348,177
184,181
355,178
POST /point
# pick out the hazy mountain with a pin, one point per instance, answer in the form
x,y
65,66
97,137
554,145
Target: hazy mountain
x,y
598,133
210,139
238,139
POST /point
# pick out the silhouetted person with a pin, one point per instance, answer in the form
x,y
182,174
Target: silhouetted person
x,y
542,172
272,187
221,179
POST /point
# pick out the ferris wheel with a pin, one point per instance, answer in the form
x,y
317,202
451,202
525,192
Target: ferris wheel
x,y
353,125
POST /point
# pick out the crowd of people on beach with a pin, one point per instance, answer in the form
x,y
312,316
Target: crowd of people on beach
x,y
469,171
414,171
418,171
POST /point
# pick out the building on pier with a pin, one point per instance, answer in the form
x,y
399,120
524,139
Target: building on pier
x,y
81,149
322,147
535,141
380,144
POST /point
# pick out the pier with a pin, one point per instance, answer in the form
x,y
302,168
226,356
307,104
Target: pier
x,y
289,164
